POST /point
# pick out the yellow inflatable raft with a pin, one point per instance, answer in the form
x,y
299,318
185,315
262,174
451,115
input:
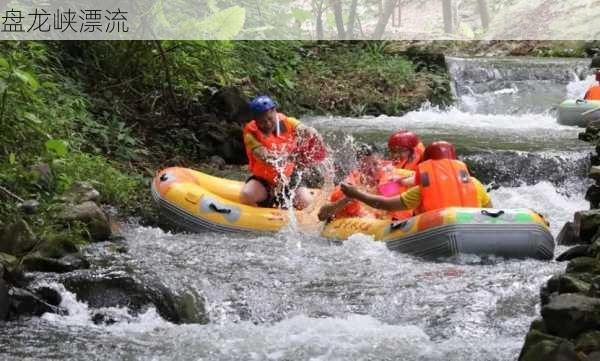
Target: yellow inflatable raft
x,y
197,202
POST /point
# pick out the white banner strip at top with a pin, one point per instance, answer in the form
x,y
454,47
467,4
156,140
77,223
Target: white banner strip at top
x,y
300,20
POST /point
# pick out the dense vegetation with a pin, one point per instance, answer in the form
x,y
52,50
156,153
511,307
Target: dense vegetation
x,y
111,113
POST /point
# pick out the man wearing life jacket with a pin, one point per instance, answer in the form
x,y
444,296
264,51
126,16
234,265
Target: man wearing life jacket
x,y
270,140
371,173
442,181
406,150
593,93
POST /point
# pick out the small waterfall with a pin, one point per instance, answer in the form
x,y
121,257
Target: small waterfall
x,y
512,85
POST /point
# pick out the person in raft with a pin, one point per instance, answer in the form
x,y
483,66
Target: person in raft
x,y
593,92
371,173
271,141
406,150
442,181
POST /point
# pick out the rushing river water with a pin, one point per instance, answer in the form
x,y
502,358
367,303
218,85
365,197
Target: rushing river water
x,y
296,296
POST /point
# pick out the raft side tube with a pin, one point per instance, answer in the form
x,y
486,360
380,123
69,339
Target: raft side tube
x,y
503,240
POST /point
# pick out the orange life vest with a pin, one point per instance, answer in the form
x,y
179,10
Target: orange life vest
x,y
593,93
283,144
445,183
411,164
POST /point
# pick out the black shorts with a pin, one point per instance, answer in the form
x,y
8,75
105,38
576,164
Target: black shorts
x,y
276,199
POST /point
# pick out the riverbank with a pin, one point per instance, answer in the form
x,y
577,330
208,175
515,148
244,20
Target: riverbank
x,y
570,301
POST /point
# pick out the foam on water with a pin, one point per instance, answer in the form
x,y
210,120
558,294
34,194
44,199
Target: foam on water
x,y
544,198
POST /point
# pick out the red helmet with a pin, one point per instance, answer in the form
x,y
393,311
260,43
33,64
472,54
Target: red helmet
x,y
440,150
403,139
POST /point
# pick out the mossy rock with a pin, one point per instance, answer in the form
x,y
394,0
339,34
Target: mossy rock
x,y
539,346
17,238
57,247
584,265
588,342
10,262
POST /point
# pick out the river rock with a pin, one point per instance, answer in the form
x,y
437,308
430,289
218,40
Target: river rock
x,y
583,265
586,224
567,315
118,289
541,346
89,213
594,172
17,238
593,196
588,342
564,283
25,303
8,262
573,252
567,235
80,192
217,161
56,247
230,104
35,262
30,206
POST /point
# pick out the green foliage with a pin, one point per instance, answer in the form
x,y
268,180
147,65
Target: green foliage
x,y
115,186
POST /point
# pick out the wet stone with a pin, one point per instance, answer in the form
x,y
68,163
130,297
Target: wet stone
x,y
573,252
593,196
25,303
586,224
567,235
583,265
567,315
542,346
588,342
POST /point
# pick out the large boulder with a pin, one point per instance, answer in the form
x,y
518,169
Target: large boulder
x,y
90,214
17,238
100,289
568,315
586,224
568,235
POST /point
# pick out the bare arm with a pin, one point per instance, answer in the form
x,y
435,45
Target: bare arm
x,y
330,209
384,203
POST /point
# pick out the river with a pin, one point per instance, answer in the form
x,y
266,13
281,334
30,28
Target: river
x,y
296,296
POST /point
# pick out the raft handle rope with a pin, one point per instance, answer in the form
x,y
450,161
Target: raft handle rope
x,y
213,207
485,212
